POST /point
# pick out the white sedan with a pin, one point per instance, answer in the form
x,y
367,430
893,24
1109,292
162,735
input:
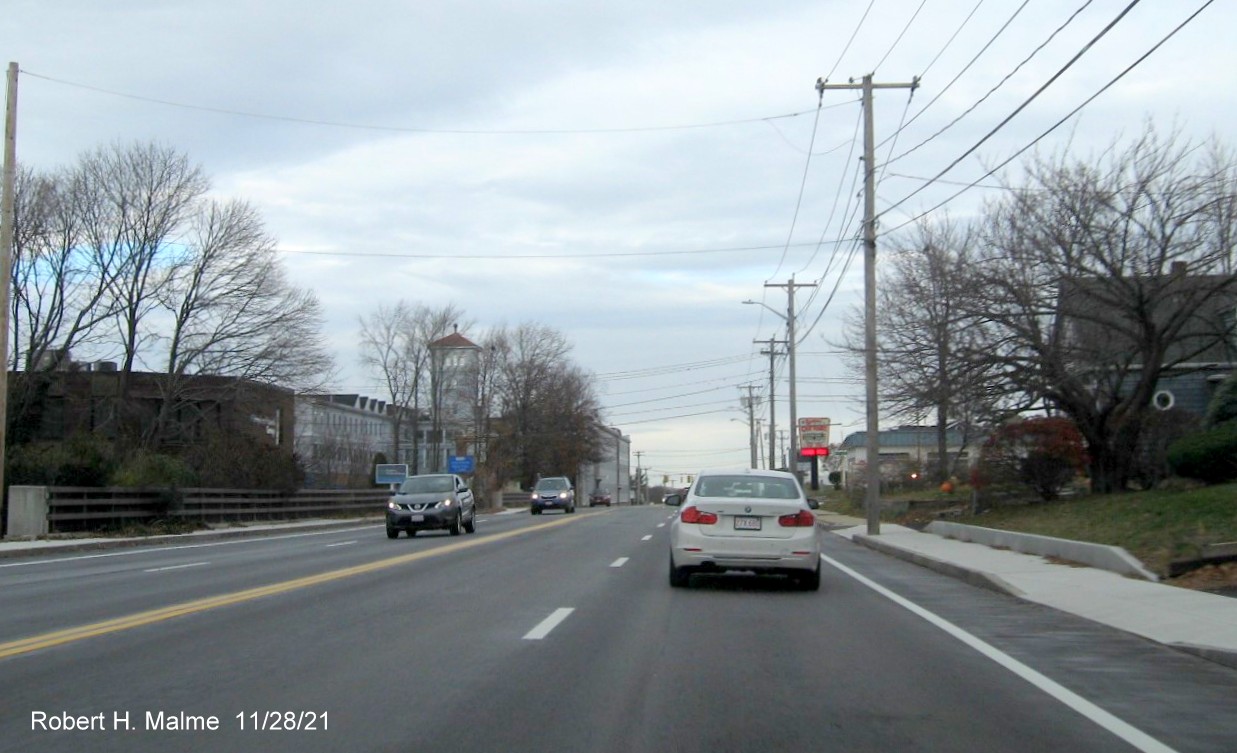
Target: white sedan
x,y
745,519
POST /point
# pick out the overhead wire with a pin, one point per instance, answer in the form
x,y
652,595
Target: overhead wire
x,y
411,129
1027,102
1060,122
965,68
993,90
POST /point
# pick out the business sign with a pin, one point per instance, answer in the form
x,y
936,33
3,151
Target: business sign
x,y
461,464
390,473
813,432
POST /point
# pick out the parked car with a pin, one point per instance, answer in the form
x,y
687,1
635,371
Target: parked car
x,y
752,520
433,501
598,498
553,493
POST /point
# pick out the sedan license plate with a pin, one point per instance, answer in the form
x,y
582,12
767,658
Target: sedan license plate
x,y
417,518
746,523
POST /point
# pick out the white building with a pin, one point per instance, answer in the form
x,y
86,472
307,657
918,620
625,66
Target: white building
x,y
611,475
339,436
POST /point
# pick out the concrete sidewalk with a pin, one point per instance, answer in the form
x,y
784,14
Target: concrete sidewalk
x,y
1197,622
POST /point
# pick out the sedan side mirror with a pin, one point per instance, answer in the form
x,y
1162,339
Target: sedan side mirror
x,y
813,503
674,500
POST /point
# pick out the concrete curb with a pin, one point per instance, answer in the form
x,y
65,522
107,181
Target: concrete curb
x,y
1111,558
993,582
965,574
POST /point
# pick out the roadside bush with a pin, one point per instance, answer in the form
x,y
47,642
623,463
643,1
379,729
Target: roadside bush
x,y
1209,456
1223,405
1159,430
81,460
238,461
152,469
1043,454
835,478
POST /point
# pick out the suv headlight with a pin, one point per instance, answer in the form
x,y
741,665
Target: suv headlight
x,y
563,495
392,505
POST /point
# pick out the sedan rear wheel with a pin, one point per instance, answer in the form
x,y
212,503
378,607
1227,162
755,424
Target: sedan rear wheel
x,y
471,525
810,581
679,576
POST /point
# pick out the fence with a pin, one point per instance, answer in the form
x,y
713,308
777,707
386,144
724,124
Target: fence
x,y
38,510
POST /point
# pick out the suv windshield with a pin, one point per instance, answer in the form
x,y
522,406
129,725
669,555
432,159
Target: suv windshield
x,y
552,485
427,484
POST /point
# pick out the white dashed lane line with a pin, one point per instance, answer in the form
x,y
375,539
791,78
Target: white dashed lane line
x,y
619,562
175,567
341,543
548,624
646,538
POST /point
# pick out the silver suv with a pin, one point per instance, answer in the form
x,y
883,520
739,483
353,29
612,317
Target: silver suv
x,y
553,493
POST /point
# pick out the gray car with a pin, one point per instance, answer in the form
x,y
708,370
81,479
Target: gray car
x,y
553,493
437,501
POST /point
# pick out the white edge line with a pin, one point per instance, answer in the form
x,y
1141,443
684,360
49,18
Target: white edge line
x,y
1119,727
341,543
548,624
153,549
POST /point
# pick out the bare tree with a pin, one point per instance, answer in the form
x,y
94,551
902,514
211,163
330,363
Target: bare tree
x,y
922,322
58,291
395,344
137,201
384,352
549,406
233,313
1100,276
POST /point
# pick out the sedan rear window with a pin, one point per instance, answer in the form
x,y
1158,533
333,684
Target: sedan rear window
x,y
749,487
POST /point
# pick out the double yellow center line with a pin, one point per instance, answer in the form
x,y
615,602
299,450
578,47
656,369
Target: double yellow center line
x,y
81,632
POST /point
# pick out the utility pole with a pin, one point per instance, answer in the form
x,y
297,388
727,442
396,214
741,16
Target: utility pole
x,y
749,402
772,354
790,286
872,498
639,485
7,217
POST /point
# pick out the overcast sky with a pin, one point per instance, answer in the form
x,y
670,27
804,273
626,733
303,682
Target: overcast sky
x,y
626,172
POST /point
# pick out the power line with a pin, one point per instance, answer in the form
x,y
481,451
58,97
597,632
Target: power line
x,y
1059,123
601,255
412,129
991,91
1026,103
965,68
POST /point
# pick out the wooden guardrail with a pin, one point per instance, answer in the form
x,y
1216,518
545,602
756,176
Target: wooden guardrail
x,y
66,509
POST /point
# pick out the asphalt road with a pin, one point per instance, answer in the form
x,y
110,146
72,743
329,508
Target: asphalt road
x,y
560,633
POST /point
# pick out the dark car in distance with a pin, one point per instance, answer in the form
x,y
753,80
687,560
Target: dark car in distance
x,y
598,498
552,493
434,501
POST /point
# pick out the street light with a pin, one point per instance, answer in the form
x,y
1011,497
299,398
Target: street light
x,y
789,318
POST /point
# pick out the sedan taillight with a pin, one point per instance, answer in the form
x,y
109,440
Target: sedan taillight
x,y
692,514
801,519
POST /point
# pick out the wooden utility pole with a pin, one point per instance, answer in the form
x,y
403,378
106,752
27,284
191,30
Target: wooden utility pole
x,y
7,214
790,286
772,354
872,498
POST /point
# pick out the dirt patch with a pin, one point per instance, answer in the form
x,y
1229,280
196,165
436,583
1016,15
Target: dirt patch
x,y
1209,578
